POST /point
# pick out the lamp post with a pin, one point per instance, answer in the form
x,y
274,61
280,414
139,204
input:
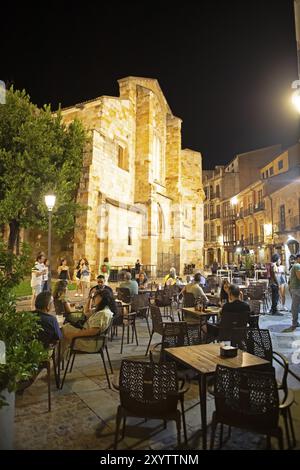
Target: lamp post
x,y
296,83
50,202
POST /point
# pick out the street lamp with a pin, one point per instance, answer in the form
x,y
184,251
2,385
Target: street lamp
x,y
50,202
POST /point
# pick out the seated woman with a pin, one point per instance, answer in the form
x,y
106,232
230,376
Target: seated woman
x,y
62,305
142,280
224,291
97,320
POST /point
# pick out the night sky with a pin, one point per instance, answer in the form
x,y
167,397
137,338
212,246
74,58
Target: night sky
x,y
225,68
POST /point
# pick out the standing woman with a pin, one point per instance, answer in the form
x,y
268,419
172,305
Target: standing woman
x,y
77,274
281,277
63,270
85,277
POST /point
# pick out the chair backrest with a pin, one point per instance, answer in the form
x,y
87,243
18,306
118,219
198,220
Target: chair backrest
x,y
175,334
139,303
148,389
254,306
188,299
246,398
157,323
231,321
163,298
258,342
124,294
255,292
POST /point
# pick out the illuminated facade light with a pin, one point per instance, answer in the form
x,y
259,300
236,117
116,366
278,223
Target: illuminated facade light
x,y
234,201
268,229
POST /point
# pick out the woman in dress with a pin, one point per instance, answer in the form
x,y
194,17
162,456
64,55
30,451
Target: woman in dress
x,y
281,279
77,274
63,270
85,277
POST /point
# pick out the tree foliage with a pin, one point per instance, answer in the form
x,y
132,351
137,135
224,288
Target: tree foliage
x,y
18,330
38,154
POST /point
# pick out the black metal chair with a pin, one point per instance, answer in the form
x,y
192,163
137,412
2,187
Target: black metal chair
x,y
163,299
100,341
248,399
157,323
259,343
188,299
151,391
140,305
123,294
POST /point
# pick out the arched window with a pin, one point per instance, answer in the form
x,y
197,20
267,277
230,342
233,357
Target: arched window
x,y
156,158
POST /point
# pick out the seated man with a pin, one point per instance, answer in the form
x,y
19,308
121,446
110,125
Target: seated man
x,y
195,288
130,284
97,321
171,278
234,314
50,332
98,288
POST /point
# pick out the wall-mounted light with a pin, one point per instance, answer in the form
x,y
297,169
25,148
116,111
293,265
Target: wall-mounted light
x,y
234,201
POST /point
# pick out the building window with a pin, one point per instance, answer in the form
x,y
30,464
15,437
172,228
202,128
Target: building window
x,y
259,196
129,236
156,158
271,171
282,217
217,191
218,230
123,160
280,164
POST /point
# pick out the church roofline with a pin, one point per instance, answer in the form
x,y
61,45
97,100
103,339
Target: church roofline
x,y
142,81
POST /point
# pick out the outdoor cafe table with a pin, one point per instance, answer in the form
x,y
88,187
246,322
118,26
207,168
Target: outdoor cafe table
x,y
209,312
204,359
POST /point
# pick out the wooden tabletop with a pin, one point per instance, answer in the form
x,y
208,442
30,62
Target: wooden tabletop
x,y
208,311
204,358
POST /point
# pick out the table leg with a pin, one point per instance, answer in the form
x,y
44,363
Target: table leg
x,y
202,393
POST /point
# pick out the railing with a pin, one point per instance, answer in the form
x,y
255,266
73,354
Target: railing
x,y
212,216
248,211
240,214
258,239
229,216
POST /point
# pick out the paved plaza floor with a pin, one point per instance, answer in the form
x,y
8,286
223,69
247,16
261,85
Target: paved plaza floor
x,y
83,413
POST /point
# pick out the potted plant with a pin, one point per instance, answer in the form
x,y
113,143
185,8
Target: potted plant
x,y
19,332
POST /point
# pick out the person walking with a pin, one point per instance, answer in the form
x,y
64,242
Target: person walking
x,y
294,285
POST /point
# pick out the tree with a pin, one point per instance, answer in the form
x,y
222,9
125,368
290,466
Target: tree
x,y
38,154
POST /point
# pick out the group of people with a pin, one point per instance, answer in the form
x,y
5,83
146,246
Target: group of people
x,y
95,318
278,283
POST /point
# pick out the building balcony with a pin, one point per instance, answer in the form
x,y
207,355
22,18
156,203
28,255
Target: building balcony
x,y
229,216
258,239
248,211
259,207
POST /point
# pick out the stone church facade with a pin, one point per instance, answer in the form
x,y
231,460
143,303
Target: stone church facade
x,y
143,191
